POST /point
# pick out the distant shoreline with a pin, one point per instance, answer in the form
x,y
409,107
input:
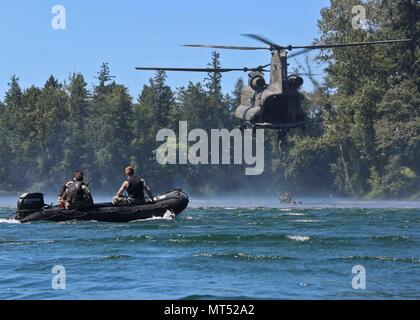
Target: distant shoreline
x,y
415,197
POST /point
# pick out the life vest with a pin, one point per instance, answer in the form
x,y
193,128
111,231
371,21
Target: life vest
x,y
135,188
75,192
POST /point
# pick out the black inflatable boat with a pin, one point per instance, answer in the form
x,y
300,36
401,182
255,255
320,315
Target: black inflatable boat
x,y
31,207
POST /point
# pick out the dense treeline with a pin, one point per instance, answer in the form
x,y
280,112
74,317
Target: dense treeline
x,y
362,137
46,133
371,120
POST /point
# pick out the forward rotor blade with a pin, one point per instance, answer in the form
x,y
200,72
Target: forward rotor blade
x,y
351,44
224,47
322,46
221,70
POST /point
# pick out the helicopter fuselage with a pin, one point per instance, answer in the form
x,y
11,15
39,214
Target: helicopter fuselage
x,y
276,105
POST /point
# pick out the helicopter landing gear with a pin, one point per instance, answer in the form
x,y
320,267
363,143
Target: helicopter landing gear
x,y
242,126
282,139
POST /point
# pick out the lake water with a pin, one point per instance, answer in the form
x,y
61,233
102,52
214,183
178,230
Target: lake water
x,y
228,248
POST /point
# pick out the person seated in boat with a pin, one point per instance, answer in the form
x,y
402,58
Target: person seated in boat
x,y
134,186
75,194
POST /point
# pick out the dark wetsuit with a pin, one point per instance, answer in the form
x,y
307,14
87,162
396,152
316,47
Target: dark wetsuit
x,y
135,189
135,192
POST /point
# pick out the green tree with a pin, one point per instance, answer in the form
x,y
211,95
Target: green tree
x,y
5,152
369,83
155,110
217,109
52,113
77,151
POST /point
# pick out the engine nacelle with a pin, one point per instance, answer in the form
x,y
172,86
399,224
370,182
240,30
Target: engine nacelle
x,y
294,81
257,81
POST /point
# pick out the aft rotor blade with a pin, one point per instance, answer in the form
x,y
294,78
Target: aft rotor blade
x,y
221,70
264,40
224,47
351,44
304,74
297,53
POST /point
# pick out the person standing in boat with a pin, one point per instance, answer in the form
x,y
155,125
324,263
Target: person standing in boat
x,y
134,186
75,194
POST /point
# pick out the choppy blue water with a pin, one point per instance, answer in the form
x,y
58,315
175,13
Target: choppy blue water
x,y
220,249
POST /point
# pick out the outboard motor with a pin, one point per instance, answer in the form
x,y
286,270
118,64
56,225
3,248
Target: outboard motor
x,y
29,203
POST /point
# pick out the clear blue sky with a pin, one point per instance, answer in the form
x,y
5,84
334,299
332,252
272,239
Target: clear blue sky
x,y
128,33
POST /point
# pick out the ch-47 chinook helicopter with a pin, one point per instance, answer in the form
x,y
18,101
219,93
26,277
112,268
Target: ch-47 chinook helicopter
x,y
278,104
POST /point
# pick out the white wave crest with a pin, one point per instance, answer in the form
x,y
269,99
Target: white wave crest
x,y
295,214
168,215
298,238
9,221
